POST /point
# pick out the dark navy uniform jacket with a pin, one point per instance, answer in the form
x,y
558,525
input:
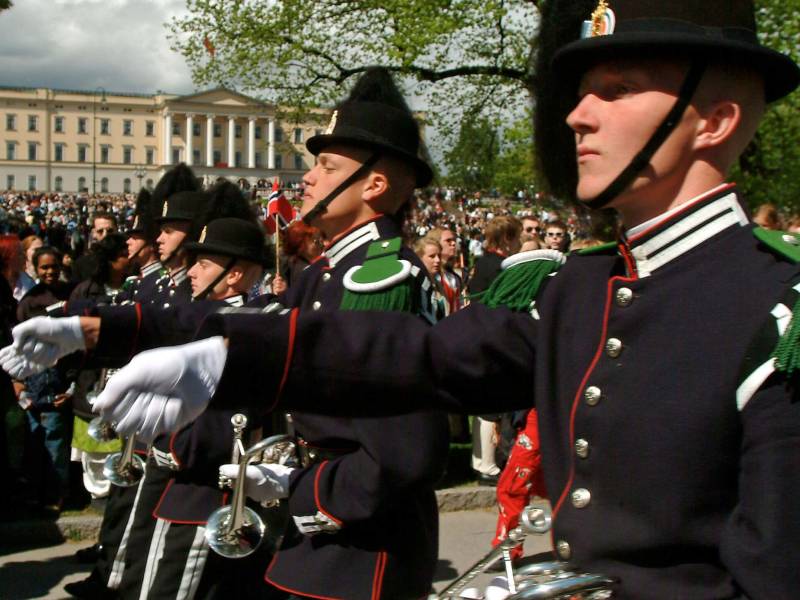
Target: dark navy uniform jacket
x,y
667,469
371,488
143,288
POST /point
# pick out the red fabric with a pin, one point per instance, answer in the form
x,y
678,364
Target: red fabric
x,y
520,480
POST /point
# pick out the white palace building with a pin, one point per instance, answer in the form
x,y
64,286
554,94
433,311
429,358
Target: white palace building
x,y
107,142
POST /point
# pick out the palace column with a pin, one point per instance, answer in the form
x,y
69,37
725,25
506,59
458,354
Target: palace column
x,y
251,142
189,139
209,140
231,142
271,144
167,158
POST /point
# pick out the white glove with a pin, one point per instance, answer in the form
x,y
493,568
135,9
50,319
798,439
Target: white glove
x,y
265,482
16,365
44,340
163,390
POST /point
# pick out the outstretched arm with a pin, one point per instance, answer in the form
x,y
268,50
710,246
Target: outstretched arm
x,y
354,363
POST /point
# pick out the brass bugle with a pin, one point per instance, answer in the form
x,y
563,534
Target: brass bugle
x,y
538,581
124,469
239,422
235,531
100,430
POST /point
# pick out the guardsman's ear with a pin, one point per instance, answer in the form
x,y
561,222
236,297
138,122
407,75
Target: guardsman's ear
x,y
375,186
234,275
718,125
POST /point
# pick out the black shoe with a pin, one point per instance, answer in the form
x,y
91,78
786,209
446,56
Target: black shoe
x,y
88,556
490,480
89,589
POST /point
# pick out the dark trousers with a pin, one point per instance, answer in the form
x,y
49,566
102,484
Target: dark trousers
x,y
141,531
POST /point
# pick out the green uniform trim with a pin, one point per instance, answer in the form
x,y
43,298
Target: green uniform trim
x,y
517,286
383,282
787,351
784,243
597,249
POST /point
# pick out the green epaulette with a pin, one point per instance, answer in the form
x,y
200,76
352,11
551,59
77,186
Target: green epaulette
x,y
787,351
597,249
383,282
784,243
518,284
129,282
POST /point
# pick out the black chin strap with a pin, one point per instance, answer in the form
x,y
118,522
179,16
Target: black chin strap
x,y
322,206
642,159
202,295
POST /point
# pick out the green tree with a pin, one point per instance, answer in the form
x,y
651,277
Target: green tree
x,y
477,55
769,170
472,161
515,169
5,4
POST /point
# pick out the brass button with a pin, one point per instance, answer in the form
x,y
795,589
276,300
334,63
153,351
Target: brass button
x,y
613,347
326,276
317,305
592,395
624,296
581,448
580,497
563,549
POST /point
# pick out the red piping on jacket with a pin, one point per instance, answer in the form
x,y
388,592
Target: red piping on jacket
x,y
322,465
578,393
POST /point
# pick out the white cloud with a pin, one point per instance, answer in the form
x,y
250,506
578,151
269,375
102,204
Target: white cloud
x,y
120,45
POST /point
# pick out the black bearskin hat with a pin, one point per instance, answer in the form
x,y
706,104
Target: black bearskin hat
x,y
179,178
376,116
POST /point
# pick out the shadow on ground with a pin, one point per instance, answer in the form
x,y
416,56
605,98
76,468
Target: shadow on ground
x,y
36,578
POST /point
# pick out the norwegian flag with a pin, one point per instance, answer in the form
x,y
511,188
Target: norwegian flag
x,y
278,209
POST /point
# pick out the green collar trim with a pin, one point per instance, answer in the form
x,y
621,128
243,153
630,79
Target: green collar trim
x,y
597,249
784,243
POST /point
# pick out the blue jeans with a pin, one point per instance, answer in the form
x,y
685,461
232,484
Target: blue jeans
x,y
48,453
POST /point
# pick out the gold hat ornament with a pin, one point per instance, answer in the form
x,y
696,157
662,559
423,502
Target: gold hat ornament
x,y
603,21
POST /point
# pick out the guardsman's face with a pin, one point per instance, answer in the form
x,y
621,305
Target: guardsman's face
x,y
204,271
334,165
620,105
135,244
172,235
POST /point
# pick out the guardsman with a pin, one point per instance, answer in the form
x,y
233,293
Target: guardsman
x,y
142,252
178,225
229,259
663,366
363,503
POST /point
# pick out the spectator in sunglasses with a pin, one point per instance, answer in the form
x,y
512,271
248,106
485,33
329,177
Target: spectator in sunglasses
x,y
555,236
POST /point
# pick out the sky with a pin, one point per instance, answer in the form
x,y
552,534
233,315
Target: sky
x,y
120,45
